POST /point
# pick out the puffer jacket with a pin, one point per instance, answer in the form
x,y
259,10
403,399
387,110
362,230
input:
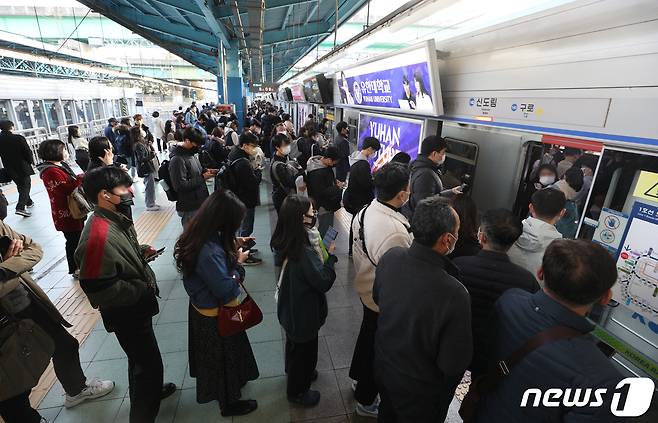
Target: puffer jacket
x,y
321,184
528,250
360,190
60,181
186,175
425,182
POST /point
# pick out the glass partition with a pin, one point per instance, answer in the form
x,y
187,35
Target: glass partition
x,y
5,110
53,112
69,111
23,115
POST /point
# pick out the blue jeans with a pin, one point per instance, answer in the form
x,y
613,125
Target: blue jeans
x,y
186,216
247,227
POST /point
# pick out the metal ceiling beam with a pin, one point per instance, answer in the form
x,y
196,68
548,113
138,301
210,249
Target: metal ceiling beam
x,y
311,12
285,20
183,6
226,12
208,10
307,31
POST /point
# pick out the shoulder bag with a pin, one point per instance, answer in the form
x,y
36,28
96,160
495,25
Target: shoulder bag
x,y
25,352
233,320
490,381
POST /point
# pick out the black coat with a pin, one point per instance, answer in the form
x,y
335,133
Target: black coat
x,y
302,305
486,276
283,179
343,166
306,147
243,172
360,190
425,181
186,175
423,342
465,246
322,188
16,155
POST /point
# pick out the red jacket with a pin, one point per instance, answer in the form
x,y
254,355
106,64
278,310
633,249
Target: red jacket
x,y
60,181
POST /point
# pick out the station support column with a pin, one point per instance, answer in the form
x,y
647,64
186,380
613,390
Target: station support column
x,y
230,87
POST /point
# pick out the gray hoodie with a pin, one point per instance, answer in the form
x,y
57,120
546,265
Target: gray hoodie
x,y
528,250
356,156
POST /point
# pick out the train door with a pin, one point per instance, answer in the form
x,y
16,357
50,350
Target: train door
x,y
550,153
621,213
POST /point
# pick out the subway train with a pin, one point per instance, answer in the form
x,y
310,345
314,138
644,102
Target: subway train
x,y
506,105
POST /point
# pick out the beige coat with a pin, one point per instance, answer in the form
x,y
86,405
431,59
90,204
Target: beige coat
x,y
384,228
21,265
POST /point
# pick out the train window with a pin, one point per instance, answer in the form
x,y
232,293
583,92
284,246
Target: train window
x,y
22,112
5,112
68,107
98,109
79,112
52,109
459,166
39,115
89,115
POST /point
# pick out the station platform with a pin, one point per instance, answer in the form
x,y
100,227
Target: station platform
x,y
102,356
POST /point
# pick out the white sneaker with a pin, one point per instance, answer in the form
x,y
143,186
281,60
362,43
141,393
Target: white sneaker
x,y
96,388
367,410
153,208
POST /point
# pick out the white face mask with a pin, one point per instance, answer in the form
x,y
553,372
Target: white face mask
x,y
452,248
286,150
546,180
65,155
441,160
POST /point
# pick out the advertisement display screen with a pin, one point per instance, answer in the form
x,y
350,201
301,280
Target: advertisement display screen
x,y
407,81
312,91
297,93
395,134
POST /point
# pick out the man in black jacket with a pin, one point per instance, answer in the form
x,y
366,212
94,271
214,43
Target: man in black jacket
x,y
426,175
283,171
188,176
323,187
343,145
17,160
360,190
488,274
423,342
246,184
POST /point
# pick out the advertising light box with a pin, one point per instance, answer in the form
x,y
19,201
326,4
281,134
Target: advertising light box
x,y
395,134
407,81
297,93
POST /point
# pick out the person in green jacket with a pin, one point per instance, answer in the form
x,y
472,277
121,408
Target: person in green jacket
x,y
116,277
307,275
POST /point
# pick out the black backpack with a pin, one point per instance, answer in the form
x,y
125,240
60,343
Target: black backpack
x,y
165,181
225,178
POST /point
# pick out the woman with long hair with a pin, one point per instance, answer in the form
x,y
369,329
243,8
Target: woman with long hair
x,y
469,222
144,160
60,181
307,275
423,99
81,147
210,258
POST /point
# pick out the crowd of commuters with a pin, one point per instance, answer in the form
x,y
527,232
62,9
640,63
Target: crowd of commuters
x,y
444,288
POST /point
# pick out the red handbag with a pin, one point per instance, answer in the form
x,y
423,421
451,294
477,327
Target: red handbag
x,y
233,320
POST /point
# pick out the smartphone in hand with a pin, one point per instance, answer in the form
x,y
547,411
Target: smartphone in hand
x,y
157,254
330,236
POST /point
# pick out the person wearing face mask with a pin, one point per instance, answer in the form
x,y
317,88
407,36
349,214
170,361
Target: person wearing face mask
x,y
188,177
60,181
342,142
360,190
307,274
570,184
426,175
423,342
231,134
544,176
116,277
247,184
283,171
377,228
323,187
587,164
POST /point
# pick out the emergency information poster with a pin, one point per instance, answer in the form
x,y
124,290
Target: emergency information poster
x,y
395,134
637,264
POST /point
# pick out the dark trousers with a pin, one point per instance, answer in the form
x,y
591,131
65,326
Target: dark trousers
x,y
301,359
386,413
362,368
66,361
23,185
159,143
72,240
247,227
351,240
145,369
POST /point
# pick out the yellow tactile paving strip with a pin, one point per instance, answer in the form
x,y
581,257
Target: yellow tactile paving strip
x,y
76,309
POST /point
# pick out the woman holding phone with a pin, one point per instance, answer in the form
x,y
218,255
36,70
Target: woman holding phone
x,y
306,276
210,258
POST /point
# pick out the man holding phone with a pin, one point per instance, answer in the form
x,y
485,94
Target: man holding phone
x,y
22,298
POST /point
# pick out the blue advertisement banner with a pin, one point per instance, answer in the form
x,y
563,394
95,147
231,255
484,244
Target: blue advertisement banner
x,y
404,88
394,134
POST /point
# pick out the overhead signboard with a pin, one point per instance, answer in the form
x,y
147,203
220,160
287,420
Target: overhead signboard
x,y
297,93
395,134
565,111
406,81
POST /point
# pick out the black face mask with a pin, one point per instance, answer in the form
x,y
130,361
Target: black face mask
x,y
124,205
311,224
